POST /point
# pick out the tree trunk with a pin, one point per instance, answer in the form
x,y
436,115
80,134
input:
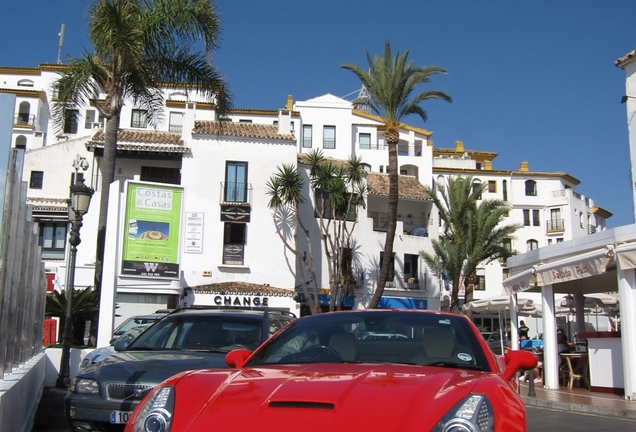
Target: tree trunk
x,y
392,142
107,168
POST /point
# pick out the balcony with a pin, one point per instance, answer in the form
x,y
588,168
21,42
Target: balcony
x,y
175,128
555,225
403,282
410,225
236,193
403,148
24,119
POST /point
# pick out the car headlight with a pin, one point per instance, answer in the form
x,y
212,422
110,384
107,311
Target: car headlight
x,y
84,386
155,415
472,414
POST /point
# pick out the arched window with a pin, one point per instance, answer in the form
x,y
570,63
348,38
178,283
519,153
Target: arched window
x,y
25,83
20,142
24,111
505,190
441,182
531,188
476,187
178,96
366,167
532,244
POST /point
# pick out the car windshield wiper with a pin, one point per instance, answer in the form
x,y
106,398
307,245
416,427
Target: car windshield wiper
x,y
212,350
456,365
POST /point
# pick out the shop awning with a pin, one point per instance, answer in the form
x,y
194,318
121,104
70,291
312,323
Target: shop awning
x,y
626,256
325,299
576,267
521,281
402,303
572,268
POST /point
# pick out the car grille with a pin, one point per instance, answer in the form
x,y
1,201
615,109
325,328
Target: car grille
x,y
133,392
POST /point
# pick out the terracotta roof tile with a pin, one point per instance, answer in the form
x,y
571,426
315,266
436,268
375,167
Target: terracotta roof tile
x,y
244,288
243,130
629,56
143,140
409,186
48,204
378,184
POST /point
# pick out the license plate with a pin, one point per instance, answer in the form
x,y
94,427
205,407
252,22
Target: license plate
x,y
118,417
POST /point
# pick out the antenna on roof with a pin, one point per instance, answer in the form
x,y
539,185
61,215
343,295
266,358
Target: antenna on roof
x,y
363,94
59,47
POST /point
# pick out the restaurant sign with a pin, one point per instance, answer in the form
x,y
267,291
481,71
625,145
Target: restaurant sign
x,y
231,213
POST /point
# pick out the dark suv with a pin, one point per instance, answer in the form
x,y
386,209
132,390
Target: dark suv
x,y
102,396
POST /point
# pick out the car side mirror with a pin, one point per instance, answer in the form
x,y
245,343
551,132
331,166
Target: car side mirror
x,y
120,344
517,360
237,358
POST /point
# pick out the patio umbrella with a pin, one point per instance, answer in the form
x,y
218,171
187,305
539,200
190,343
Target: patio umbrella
x,y
496,305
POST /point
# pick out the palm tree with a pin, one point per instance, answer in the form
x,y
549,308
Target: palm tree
x,y
84,305
391,83
472,234
140,47
339,190
285,191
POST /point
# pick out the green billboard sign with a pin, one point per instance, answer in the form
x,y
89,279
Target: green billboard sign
x,y
152,226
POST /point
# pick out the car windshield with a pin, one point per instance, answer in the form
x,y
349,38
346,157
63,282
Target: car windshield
x,y
200,333
135,321
376,337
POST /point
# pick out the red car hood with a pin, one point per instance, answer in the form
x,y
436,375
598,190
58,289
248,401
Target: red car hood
x,y
325,397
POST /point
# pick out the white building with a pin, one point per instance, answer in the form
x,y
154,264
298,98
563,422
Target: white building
x,y
220,171
545,204
189,149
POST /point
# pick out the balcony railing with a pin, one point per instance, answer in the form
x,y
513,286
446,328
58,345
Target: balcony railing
x,y
403,149
555,225
410,226
175,128
24,119
404,282
236,193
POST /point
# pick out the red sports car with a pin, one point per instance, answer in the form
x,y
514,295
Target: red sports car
x,y
371,370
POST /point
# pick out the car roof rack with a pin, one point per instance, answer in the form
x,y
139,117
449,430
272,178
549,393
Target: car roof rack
x,y
268,310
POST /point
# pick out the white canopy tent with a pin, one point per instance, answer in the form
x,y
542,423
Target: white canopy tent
x,y
603,262
500,305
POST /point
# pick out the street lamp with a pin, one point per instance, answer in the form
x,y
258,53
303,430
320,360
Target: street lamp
x,y
80,200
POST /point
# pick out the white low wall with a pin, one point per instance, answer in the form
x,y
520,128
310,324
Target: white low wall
x,y
20,393
53,356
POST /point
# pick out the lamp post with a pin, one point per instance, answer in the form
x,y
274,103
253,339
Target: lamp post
x,y
80,200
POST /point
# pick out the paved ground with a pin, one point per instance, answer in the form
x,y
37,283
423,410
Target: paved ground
x,y
50,413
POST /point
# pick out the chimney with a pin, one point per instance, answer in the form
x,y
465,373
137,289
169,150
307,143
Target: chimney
x,y
290,102
523,166
459,146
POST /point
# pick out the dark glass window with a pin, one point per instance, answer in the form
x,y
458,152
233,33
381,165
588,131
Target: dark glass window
x,y
329,137
37,179
235,182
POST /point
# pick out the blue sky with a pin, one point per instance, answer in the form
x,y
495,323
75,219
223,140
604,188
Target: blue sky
x,y
532,80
